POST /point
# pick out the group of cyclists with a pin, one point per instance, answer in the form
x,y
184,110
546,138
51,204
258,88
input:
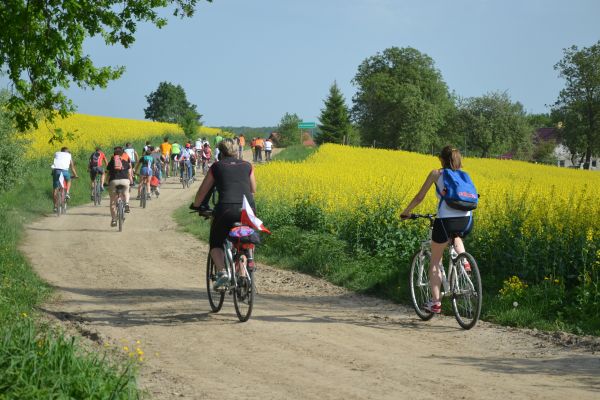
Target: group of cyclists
x,y
233,179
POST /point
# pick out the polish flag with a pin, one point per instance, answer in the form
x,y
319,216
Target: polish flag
x,y
248,218
61,180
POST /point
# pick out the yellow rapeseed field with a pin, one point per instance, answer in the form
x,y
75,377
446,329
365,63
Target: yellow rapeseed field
x,y
340,179
89,131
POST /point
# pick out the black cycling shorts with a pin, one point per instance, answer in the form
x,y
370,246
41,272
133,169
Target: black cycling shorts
x,y
445,228
95,171
224,218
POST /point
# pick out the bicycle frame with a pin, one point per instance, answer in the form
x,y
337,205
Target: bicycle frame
x,y
230,261
447,288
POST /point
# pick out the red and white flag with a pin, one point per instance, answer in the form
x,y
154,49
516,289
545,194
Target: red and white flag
x,y
61,180
248,218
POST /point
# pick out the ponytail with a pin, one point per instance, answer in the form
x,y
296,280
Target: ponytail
x,y
451,158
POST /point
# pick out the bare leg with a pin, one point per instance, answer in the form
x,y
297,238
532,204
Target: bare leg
x,y
218,257
113,205
435,273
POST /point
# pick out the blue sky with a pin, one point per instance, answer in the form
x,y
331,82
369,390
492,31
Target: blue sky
x,y
247,62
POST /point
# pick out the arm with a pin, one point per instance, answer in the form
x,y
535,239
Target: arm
x,y
73,168
252,182
431,178
204,188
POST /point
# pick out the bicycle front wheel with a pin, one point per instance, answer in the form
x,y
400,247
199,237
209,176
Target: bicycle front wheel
x,y
243,296
420,291
466,290
215,298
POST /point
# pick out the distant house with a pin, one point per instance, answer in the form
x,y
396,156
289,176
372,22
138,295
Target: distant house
x,y
561,152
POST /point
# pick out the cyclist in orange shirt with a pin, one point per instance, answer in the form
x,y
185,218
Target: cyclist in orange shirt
x,y
165,150
241,144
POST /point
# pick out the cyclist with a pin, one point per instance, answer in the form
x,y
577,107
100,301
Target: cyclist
x,y
133,156
118,174
144,169
60,166
206,154
233,179
175,150
449,223
165,151
184,159
95,167
241,144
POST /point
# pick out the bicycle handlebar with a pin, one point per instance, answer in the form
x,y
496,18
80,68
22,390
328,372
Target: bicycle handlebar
x,y
416,216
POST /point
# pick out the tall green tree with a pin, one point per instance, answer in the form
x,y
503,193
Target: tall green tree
x,y
492,124
578,103
12,162
190,123
168,103
401,99
41,48
288,130
335,124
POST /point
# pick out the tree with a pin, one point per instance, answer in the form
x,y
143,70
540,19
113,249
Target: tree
x,y
288,129
41,48
493,124
12,161
335,124
190,122
401,99
168,103
578,104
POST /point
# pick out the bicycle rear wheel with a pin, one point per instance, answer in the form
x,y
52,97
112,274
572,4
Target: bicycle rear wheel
x,y
243,296
466,291
215,298
120,213
420,291
143,196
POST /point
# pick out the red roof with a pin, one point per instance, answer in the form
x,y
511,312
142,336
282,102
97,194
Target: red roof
x,y
546,135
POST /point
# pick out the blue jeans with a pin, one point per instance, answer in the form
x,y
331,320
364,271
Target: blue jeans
x,y
188,164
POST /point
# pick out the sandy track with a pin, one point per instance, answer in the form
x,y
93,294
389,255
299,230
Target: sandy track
x,y
306,339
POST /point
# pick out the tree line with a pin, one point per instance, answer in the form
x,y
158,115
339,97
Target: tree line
x,y
402,102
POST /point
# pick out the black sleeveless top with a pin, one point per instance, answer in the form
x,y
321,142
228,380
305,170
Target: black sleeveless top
x,y
232,180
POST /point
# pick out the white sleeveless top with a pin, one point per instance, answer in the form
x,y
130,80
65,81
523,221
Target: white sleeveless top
x,y
62,160
131,153
443,210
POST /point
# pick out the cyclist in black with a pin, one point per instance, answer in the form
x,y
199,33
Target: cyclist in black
x,y
233,179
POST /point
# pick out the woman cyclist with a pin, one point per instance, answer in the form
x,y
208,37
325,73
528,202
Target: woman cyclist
x,y
449,222
144,169
233,179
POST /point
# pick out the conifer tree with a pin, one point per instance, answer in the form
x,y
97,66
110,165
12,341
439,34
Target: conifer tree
x,y
335,120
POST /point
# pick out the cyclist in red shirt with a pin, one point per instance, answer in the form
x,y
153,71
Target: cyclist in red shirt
x,y
95,167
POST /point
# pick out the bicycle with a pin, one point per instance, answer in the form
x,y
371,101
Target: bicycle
x,y
463,284
97,191
61,201
143,194
175,168
205,166
120,206
239,263
185,180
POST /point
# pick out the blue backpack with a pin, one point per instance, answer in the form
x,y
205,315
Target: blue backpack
x,y
460,192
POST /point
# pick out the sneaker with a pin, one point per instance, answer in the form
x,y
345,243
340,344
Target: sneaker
x,y
55,209
113,222
92,197
432,307
137,198
467,266
67,196
148,196
102,188
127,208
222,279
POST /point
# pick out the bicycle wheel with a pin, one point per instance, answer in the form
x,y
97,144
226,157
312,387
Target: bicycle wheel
x,y
97,193
184,179
59,201
466,291
143,196
215,298
243,296
420,291
120,213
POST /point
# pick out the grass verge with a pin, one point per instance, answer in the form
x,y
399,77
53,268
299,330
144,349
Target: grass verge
x,y
36,360
295,153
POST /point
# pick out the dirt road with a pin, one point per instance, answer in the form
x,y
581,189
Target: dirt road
x,y
306,339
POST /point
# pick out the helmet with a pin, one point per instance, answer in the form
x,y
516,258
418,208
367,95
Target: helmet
x,y
187,145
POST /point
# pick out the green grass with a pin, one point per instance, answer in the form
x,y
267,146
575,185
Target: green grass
x,y
37,361
295,153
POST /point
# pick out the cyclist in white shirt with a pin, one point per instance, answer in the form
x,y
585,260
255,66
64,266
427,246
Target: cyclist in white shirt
x,y
268,149
60,166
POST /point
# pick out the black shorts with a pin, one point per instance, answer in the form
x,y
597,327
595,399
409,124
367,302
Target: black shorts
x,y
95,171
445,228
224,218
